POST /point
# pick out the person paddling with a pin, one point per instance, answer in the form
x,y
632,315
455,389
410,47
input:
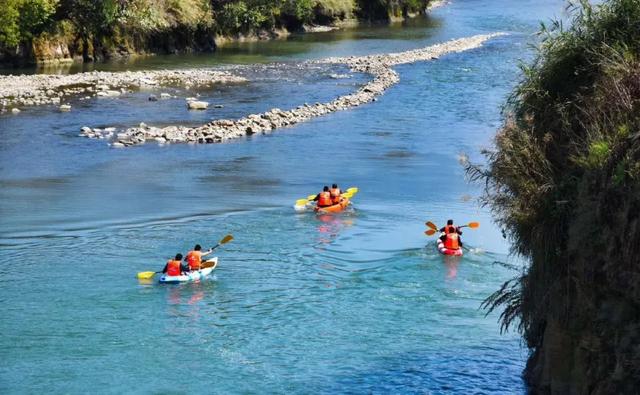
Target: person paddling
x,y
336,194
323,199
450,228
194,257
175,267
451,240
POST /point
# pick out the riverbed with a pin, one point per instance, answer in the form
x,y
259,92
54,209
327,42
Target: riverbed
x,y
356,303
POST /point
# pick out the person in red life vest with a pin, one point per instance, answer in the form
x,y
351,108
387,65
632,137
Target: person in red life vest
x,y
451,240
194,257
450,228
336,194
175,267
323,199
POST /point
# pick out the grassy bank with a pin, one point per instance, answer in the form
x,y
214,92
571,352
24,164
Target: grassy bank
x,y
45,30
564,182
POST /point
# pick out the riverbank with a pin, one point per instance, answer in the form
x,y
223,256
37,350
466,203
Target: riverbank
x,y
378,66
78,31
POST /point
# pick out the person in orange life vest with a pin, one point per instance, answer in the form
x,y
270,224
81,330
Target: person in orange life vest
x,y
175,267
451,240
324,198
335,194
194,257
450,228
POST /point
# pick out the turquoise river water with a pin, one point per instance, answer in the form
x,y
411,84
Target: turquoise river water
x,y
355,303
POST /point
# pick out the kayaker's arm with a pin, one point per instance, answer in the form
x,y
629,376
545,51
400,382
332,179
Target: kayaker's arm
x,y
207,253
315,199
165,268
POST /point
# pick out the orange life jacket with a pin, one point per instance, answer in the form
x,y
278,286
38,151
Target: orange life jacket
x,y
452,241
450,229
194,259
173,268
335,194
325,199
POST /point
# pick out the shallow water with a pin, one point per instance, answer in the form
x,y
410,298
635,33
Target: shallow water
x,y
354,303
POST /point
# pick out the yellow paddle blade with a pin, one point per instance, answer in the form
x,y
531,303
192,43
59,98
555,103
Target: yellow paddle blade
x,y
473,225
226,239
301,202
145,275
347,195
429,232
352,190
431,225
311,197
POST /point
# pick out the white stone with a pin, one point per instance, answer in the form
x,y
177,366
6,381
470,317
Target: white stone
x,y
117,145
65,107
197,105
15,110
165,95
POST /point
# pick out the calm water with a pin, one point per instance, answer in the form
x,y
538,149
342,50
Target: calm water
x,y
358,303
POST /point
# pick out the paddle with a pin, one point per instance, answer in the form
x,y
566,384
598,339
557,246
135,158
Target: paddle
x,y
224,240
472,225
148,275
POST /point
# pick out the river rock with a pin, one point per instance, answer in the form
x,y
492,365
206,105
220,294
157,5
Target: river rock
x,y
153,98
15,111
165,95
65,107
197,105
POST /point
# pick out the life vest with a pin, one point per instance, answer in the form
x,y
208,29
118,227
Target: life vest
x,y
194,259
173,268
325,199
452,241
335,195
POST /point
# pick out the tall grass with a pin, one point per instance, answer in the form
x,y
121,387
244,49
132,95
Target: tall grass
x,y
564,177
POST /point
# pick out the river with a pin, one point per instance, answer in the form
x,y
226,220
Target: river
x,y
356,303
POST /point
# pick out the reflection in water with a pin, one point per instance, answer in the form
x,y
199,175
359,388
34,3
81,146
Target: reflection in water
x,y
331,225
452,262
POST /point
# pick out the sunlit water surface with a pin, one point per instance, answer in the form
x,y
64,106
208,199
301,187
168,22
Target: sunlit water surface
x,y
356,303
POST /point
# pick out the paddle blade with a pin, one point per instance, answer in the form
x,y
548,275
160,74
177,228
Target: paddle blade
x,y
311,197
145,275
429,232
352,190
301,202
431,225
347,195
226,239
474,225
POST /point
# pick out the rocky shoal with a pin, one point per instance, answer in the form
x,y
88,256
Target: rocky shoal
x,y
29,90
378,66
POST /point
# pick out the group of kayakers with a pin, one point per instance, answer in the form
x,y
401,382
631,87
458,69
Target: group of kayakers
x,y
328,196
192,262
451,242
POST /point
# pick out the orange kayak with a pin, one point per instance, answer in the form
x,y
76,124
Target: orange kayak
x,y
336,208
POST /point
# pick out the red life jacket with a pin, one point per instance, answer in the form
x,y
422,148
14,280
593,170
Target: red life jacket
x,y
452,241
325,199
335,195
450,229
173,268
194,258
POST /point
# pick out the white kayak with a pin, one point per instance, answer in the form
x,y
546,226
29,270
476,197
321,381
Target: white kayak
x,y
191,276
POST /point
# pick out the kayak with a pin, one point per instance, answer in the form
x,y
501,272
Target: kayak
x,y
446,251
336,208
190,276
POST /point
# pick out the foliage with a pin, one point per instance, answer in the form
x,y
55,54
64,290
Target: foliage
x,y
24,19
563,180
